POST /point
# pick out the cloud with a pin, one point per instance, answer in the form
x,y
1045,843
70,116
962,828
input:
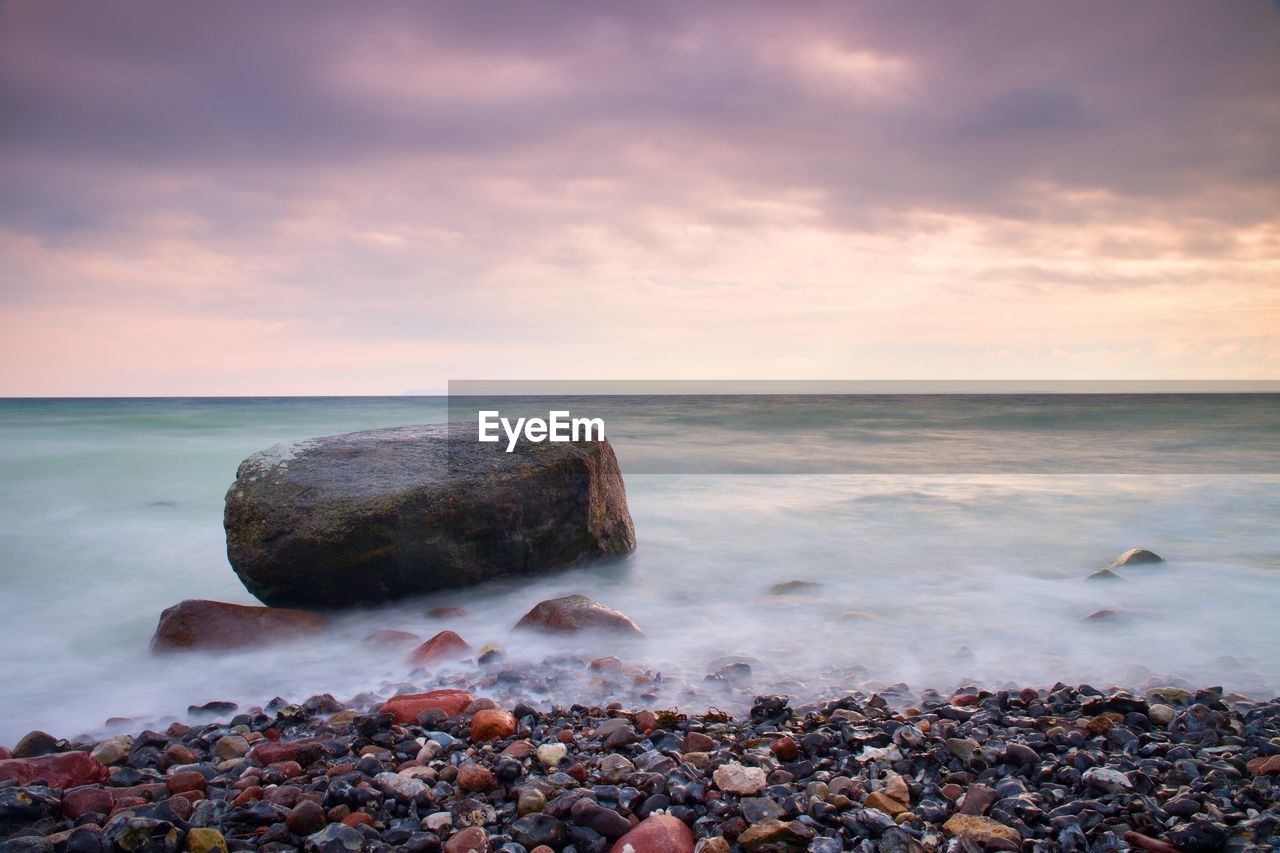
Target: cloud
x,y
733,184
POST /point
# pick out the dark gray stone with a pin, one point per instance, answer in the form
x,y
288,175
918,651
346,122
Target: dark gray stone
x,y
379,515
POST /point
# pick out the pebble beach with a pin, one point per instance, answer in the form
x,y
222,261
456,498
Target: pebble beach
x,y
1071,768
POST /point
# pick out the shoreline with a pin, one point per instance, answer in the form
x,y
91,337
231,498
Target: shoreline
x,y
1072,767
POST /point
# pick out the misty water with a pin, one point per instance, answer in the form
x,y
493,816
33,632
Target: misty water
x,y
111,511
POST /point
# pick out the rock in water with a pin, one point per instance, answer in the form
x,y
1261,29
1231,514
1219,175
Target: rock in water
x,y
1136,557
378,515
196,624
442,647
576,613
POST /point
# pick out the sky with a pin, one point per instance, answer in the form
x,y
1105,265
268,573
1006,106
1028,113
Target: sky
x,y
241,198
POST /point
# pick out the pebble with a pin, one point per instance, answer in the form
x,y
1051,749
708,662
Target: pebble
x,y
734,778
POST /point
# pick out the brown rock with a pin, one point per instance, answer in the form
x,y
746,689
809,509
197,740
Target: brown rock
x,y
122,803
80,801
884,803
774,836
473,839
446,612
305,818
358,819
303,751
519,749
492,725
187,780
442,647
698,742
785,748
388,639
576,613
1265,765
983,830
183,804
609,664
249,795
179,754
406,707
646,721
289,769
196,624
1152,845
658,833
1100,724
61,770
474,778
151,791
977,799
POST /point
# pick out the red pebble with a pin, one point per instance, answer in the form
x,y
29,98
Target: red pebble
x,y
181,805
473,839
406,707
123,803
79,801
786,748
646,721
290,769
577,771
658,833
474,778
490,724
248,795
187,780
443,646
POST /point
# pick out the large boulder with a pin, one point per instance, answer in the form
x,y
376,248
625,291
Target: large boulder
x,y
378,515
196,624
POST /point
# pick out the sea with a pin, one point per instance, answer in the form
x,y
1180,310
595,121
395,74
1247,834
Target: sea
x,y
941,540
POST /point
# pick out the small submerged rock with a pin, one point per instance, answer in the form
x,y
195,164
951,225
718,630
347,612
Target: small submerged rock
x,y
793,587
444,646
1136,557
388,639
572,613
215,625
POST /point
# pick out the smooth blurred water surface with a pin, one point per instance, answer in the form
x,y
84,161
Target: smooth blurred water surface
x,y
111,510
